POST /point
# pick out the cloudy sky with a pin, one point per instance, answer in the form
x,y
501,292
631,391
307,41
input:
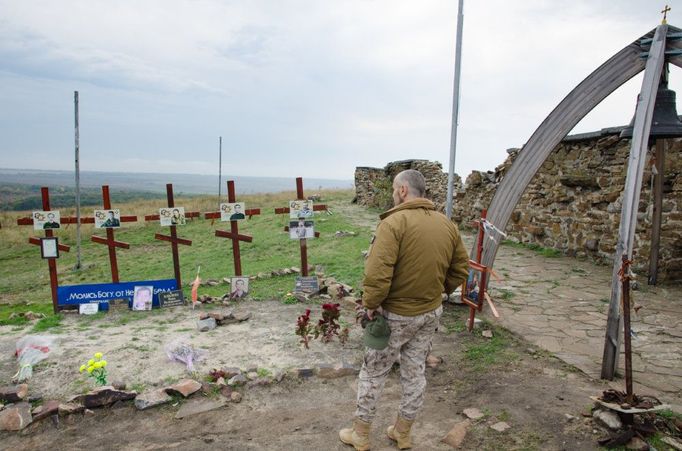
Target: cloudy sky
x,y
298,88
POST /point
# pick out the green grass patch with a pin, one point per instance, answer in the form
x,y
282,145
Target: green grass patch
x,y
486,352
49,322
544,251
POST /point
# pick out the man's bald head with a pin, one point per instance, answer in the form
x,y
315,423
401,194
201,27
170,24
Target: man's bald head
x,y
414,180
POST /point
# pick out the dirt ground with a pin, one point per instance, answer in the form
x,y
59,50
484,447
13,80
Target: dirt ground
x,y
504,377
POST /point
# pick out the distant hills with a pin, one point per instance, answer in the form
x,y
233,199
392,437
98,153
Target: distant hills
x,y
20,188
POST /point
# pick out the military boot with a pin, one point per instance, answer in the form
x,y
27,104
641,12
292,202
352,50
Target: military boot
x,y
357,436
400,432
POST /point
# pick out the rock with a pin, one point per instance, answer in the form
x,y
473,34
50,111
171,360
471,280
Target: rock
x,y
45,410
305,372
15,417
69,408
237,380
327,371
212,283
221,382
102,396
34,398
278,376
252,375
152,399
500,427
456,435
2,406
230,372
118,385
672,442
206,388
14,393
487,333
236,397
608,418
569,417
473,413
185,388
637,444
199,405
88,412
226,392
204,325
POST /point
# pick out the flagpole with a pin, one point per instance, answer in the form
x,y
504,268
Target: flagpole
x,y
220,167
455,109
78,180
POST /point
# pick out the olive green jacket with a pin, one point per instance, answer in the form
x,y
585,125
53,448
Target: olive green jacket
x,y
416,255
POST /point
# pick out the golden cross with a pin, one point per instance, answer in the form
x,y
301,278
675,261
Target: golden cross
x,y
665,14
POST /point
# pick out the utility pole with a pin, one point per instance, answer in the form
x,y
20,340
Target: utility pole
x,y
220,167
78,182
455,109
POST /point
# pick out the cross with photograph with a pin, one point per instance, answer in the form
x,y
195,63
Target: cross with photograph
x,y
300,209
172,216
233,211
43,220
301,229
107,219
474,289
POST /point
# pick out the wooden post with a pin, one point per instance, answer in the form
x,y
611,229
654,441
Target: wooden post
x,y
658,210
625,277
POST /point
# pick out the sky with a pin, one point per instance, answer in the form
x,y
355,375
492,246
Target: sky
x,y
298,88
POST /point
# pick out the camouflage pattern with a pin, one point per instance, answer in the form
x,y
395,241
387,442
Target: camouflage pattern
x,y
409,343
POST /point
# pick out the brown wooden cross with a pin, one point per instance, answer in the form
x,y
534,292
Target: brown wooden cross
x,y
233,234
303,242
51,262
173,238
109,240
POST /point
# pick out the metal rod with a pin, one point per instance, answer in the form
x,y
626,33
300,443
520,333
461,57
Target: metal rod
x,y
220,168
78,181
455,109
626,329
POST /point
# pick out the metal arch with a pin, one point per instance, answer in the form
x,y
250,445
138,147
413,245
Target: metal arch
x,y
589,93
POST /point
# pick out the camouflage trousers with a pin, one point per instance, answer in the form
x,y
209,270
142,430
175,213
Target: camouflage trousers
x,y
410,342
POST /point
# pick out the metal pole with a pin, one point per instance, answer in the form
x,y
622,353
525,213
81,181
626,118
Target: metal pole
x,y
220,167
455,109
78,182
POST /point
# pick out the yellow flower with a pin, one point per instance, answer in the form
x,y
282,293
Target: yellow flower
x,y
98,355
82,368
91,362
104,363
91,369
98,365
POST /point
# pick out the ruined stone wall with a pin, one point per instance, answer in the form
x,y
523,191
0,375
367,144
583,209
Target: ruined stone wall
x,y
373,185
574,203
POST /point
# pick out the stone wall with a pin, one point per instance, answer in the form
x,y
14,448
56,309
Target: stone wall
x,y
572,204
373,185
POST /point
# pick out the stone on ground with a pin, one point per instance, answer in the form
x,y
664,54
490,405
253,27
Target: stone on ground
x,y
45,410
500,427
13,393
473,413
102,396
15,417
329,371
456,435
608,418
151,399
197,406
69,408
185,387
204,325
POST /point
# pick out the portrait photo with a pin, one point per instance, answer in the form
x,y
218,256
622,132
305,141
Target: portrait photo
x,y
474,288
49,247
233,211
142,297
239,287
107,219
43,220
301,229
300,209
172,216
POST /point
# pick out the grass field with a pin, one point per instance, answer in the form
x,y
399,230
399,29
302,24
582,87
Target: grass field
x,y
24,279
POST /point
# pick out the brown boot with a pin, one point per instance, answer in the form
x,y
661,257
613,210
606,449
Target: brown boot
x,y
400,432
357,436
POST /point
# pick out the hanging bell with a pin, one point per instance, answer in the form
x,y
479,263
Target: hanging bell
x,y
664,122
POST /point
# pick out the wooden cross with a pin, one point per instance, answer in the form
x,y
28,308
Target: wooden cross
x,y
51,262
173,238
109,240
233,234
303,241
665,14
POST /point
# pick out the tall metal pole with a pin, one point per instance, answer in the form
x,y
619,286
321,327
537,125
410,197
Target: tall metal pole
x,y
455,109
78,182
220,167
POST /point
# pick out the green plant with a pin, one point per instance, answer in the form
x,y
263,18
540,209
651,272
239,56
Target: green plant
x,y
47,323
290,299
96,369
264,372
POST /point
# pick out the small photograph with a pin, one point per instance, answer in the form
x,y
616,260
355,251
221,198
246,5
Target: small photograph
x,y
107,219
239,287
49,247
474,289
142,297
300,209
43,220
301,229
172,216
233,212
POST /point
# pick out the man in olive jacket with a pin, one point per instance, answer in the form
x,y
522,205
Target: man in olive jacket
x,y
416,255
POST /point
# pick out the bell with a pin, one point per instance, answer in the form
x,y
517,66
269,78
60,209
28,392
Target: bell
x,y
664,122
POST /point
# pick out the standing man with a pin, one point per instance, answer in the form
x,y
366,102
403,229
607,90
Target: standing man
x,y
416,254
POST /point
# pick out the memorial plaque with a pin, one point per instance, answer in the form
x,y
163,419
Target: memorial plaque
x,y
171,298
307,285
88,309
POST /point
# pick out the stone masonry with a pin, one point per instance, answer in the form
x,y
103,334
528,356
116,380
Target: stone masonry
x,y
573,203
